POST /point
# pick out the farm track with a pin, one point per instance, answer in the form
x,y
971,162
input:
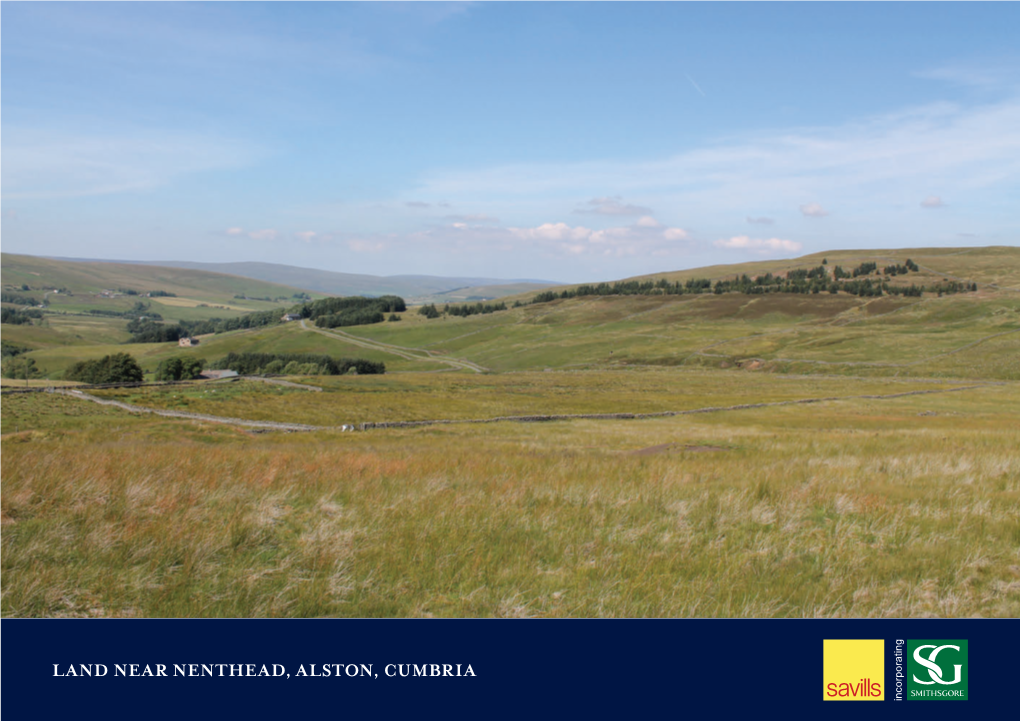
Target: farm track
x,y
411,354
281,426
271,425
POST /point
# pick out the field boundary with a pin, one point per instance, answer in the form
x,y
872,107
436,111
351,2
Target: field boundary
x,y
535,418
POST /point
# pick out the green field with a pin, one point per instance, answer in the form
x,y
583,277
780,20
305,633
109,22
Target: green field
x,y
826,456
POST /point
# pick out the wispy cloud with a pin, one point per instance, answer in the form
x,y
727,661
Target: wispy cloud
x,y
39,163
417,204
932,201
813,210
985,75
696,87
759,245
871,160
365,245
472,218
760,221
612,206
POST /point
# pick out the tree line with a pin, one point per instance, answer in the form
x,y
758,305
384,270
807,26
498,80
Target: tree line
x,y
350,310
7,297
19,317
250,363
800,280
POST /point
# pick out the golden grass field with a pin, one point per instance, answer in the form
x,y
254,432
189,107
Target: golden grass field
x,y
865,507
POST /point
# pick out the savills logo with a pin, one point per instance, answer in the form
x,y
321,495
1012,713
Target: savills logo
x,y
853,669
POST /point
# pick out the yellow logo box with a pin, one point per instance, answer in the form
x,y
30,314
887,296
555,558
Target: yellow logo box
x,y
853,669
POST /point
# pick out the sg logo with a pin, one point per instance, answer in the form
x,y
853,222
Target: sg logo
x,y
934,670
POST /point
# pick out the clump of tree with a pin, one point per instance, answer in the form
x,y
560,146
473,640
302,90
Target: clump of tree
x,y
353,316
179,368
296,363
19,367
351,310
393,318
19,317
476,309
429,310
115,368
9,350
7,297
148,331
161,294
127,291
864,269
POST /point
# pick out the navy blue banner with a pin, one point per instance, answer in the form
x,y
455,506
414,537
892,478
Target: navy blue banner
x,y
209,669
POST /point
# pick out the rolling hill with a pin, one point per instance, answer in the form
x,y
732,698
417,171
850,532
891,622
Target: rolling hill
x,y
965,335
412,287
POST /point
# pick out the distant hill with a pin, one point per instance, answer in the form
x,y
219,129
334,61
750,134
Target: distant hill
x,y
91,276
411,287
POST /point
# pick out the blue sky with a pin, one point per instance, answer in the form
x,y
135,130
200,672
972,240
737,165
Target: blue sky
x,y
570,141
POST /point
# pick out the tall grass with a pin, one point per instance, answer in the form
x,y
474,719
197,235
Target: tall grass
x,y
863,508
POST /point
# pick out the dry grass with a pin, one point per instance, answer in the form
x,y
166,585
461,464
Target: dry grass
x,y
904,507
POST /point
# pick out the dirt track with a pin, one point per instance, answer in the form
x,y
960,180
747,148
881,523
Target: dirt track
x,y
412,354
273,425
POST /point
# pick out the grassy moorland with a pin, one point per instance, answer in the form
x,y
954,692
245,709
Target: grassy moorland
x,y
895,493
862,507
952,336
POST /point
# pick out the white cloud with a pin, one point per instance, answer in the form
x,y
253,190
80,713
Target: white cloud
x,y
552,231
267,234
760,221
647,221
633,240
759,245
813,210
361,245
235,231
612,206
932,201
306,235
472,218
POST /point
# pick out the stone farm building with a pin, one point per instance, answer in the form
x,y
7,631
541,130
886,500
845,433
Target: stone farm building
x,y
290,317
187,342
